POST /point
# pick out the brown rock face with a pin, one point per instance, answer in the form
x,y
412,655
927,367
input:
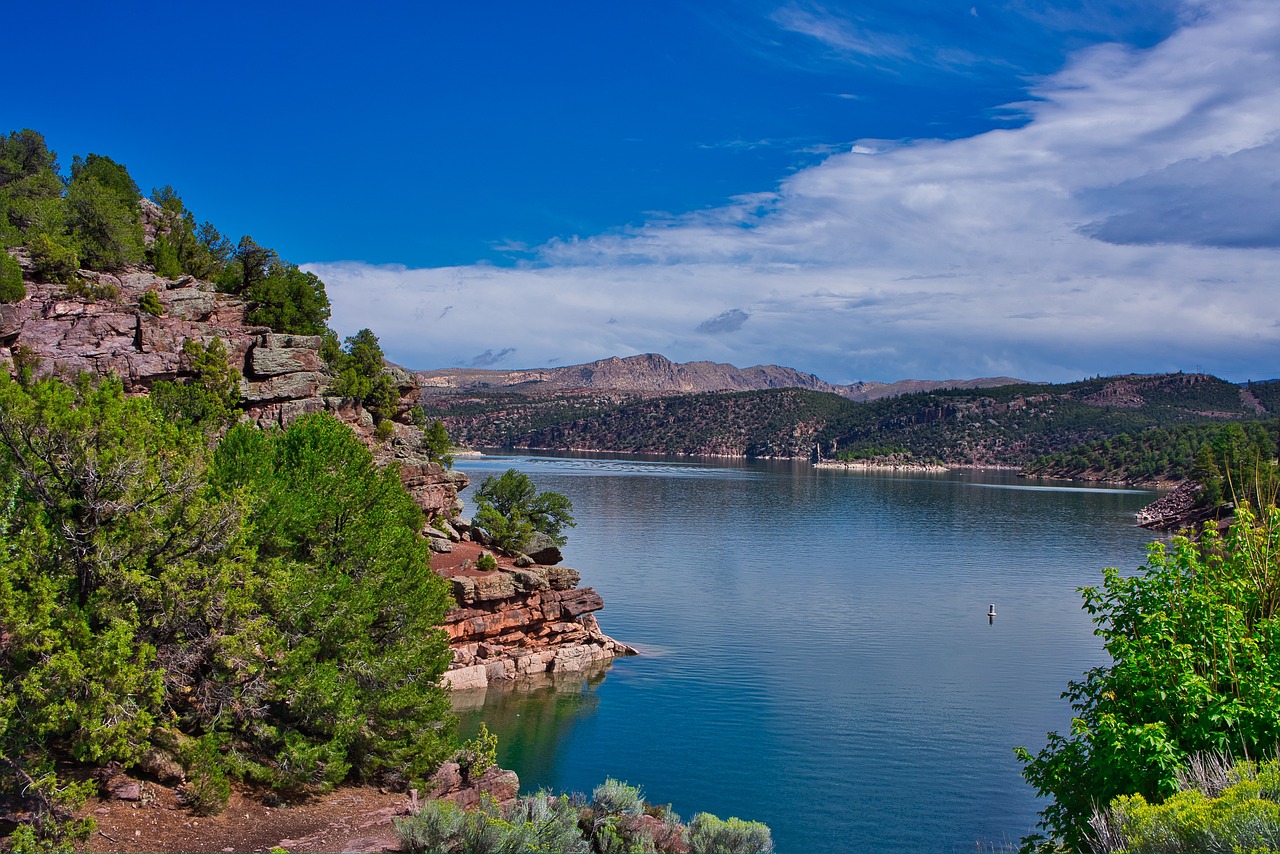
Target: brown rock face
x,y
516,622
283,375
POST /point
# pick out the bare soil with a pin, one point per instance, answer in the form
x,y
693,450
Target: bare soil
x,y
347,819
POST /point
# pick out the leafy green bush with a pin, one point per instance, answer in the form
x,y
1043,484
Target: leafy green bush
x,y
486,562
11,287
477,754
730,836
1241,813
1193,641
614,797
206,788
270,596
52,260
150,303
435,441
510,508
92,291
360,373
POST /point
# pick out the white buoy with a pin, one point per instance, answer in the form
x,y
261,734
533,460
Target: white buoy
x,y
991,615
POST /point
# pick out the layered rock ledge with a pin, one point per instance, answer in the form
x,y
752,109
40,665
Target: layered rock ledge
x,y
514,622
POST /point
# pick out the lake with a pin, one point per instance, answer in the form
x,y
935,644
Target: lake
x,y
816,648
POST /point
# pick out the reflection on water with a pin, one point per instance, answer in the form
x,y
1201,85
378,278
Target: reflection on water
x,y
827,665
534,715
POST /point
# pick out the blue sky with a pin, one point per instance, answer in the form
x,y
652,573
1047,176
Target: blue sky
x,y
869,190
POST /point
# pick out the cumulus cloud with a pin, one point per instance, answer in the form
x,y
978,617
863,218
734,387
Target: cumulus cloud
x,y
725,321
1083,241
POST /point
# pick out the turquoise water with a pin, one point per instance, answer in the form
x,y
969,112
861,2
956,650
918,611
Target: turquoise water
x,y
816,650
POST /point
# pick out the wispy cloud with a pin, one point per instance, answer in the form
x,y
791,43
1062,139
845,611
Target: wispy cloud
x,y
1077,243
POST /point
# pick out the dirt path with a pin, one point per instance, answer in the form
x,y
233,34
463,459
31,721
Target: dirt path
x,y
347,819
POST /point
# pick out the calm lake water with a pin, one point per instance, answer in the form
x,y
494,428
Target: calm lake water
x,y
816,650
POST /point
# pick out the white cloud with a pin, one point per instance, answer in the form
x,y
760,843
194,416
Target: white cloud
x,y
1071,245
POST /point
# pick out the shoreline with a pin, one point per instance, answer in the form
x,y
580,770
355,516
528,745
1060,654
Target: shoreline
x,y
873,465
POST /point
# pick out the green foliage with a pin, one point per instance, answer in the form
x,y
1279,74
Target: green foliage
x,y
486,562
289,300
269,599
103,217
111,176
30,189
11,287
614,797
206,788
53,261
1195,643
92,290
355,606
150,303
614,821
435,441
180,247
1237,811
209,399
510,509
1238,465
477,754
708,833
360,373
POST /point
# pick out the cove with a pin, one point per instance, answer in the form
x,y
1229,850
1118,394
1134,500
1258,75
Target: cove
x,y
816,652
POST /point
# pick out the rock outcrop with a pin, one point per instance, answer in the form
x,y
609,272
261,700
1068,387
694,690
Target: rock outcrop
x,y
514,622
509,622
1175,510
283,376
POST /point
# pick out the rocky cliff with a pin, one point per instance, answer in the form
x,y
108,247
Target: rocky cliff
x,y
526,619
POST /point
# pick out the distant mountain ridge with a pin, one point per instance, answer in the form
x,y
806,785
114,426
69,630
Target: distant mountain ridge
x,y
654,373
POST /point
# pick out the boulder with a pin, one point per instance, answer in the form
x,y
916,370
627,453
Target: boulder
x,y
161,766
270,362
543,549
464,589
283,340
440,545
562,577
284,387
466,678
494,585
530,580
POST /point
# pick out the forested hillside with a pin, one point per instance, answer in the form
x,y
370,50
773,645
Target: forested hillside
x,y
1007,425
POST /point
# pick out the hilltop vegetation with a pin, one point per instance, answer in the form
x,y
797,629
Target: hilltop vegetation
x,y
96,219
1007,425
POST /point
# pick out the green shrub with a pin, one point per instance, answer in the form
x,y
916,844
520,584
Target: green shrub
x,y
436,826
614,797
92,291
207,788
11,287
1241,815
486,562
385,430
477,754
510,509
150,303
52,260
709,834
1191,639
